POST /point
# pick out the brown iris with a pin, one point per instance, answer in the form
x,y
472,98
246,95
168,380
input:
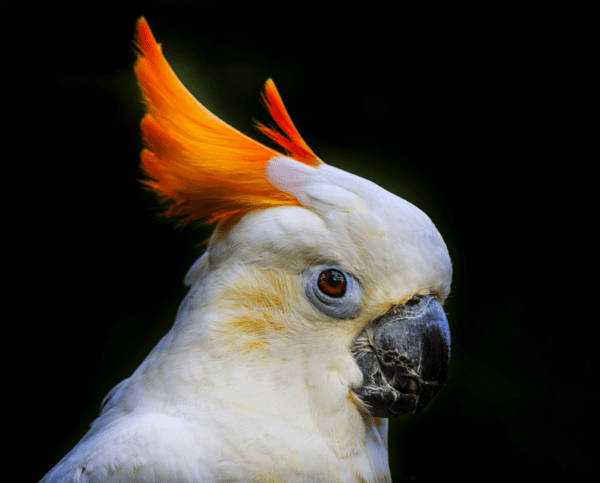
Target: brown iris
x,y
332,282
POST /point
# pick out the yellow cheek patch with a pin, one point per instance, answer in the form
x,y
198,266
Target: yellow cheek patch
x,y
258,304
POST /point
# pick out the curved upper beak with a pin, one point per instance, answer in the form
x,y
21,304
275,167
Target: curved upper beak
x,y
404,357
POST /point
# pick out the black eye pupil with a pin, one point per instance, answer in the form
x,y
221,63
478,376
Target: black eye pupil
x,y
335,279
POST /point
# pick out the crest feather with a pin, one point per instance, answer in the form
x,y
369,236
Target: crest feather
x,y
293,144
205,169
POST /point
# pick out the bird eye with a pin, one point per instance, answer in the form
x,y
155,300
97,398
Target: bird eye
x,y
333,291
332,282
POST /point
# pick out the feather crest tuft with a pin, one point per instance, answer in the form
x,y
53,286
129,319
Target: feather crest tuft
x,y
202,167
293,143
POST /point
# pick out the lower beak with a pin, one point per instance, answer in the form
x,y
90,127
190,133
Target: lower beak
x,y
404,357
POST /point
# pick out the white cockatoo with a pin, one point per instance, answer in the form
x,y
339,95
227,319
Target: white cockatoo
x,y
314,314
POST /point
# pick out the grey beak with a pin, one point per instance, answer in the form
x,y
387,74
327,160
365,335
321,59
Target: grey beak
x,y
404,357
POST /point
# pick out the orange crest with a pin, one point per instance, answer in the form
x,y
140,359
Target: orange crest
x,y
205,169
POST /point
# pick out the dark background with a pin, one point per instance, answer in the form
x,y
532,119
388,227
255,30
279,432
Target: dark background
x,y
454,110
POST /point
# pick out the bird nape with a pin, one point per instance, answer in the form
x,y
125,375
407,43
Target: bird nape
x,y
314,314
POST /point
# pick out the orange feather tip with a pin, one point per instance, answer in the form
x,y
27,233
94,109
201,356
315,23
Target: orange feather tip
x,y
294,144
202,167
144,38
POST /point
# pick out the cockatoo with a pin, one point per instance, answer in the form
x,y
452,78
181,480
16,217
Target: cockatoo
x,y
314,314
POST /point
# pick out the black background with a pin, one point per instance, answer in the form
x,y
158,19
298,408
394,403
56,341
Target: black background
x,y
452,109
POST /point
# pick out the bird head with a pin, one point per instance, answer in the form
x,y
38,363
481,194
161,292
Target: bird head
x,y
307,262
